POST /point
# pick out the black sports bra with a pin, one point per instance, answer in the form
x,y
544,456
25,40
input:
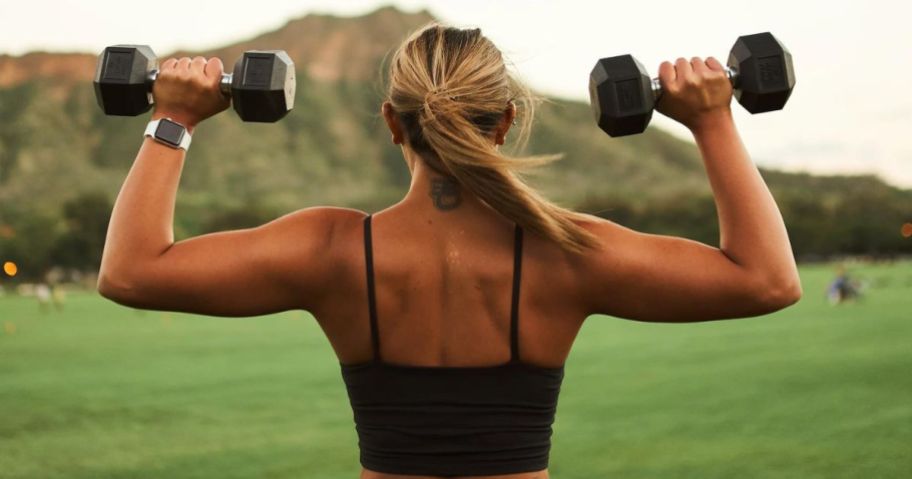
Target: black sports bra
x,y
452,421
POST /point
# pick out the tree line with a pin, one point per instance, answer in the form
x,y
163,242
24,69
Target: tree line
x,y
858,221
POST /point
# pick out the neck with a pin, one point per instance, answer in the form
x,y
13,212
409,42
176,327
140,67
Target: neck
x,y
434,195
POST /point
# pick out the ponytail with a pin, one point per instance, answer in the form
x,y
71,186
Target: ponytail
x,y
450,89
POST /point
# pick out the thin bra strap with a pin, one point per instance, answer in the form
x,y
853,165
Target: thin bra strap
x,y
514,307
371,298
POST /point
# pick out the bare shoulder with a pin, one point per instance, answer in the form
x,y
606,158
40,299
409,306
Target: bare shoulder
x,y
614,241
320,228
654,277
623,248
288,263
315,243
615,254
572,276
314,229
600,226
324,217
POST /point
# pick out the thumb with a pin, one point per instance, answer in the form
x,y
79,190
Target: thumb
x,y
214,69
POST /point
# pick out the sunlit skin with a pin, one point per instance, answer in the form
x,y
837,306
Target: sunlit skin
x,y
312,259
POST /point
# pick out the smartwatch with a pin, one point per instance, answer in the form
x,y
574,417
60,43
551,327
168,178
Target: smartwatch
x,y
169,133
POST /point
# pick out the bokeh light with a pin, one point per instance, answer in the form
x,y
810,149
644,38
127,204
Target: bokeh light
x,y
10,268
906,230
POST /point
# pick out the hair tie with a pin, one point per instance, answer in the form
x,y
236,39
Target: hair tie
x,y
435,94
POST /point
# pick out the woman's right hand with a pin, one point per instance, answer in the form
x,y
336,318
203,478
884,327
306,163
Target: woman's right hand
x,y
694,91
187,90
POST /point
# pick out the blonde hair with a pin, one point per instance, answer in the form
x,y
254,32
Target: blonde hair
x,y
450,89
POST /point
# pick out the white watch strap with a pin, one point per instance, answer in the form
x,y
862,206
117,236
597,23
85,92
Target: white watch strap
x,y
153,125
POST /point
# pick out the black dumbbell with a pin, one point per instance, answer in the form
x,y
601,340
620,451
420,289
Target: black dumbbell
x,y
623,95
262,86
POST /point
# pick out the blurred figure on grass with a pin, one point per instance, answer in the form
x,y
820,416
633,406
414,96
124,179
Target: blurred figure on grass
x,y
843,288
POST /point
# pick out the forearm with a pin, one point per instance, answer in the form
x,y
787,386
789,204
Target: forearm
x,y
752,232
141,226
136,263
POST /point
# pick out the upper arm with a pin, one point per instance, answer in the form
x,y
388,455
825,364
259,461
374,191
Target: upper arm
x,y
286,264
649,277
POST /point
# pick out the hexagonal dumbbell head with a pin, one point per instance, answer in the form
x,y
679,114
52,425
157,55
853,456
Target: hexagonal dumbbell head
x,y
263,85
620,92
121,79
766,75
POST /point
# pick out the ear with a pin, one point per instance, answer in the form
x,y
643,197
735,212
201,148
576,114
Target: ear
x,y
392,122
500,135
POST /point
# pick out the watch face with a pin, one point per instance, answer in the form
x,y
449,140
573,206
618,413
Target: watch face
x,y
170,132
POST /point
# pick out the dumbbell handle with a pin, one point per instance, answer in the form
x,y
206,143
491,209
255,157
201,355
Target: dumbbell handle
x,y
224,83
732,73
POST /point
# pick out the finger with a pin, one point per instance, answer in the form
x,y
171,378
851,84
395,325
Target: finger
x,y
183,65
197,66
714,64
698,65
214,68
666,74
168,64
683,69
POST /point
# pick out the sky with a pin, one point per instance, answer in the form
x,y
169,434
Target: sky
x,y
850,112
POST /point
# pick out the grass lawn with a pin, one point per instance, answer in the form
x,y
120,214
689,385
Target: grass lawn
x,y
816,391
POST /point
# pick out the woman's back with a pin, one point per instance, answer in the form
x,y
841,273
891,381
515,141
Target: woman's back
x,y
443,286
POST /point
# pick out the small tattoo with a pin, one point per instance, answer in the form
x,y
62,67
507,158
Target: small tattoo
x,y
446,193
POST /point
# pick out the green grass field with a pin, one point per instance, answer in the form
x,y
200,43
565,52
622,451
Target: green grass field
x,y
816,391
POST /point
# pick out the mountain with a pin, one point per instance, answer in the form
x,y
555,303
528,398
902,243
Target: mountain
x,y
333,148
72,68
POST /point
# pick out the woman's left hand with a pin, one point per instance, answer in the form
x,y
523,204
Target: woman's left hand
x,y
187,90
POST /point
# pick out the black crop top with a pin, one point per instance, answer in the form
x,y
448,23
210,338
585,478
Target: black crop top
x,y
452,421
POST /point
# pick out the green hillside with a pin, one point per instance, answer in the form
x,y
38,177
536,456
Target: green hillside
x,y
57,147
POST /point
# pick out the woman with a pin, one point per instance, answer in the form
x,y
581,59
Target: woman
x,y
452,312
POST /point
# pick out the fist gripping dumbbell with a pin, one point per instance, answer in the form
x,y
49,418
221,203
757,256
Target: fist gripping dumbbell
x,y
623,95
261,87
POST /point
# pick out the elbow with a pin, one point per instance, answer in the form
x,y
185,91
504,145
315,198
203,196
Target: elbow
x,y
117,288
780,293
